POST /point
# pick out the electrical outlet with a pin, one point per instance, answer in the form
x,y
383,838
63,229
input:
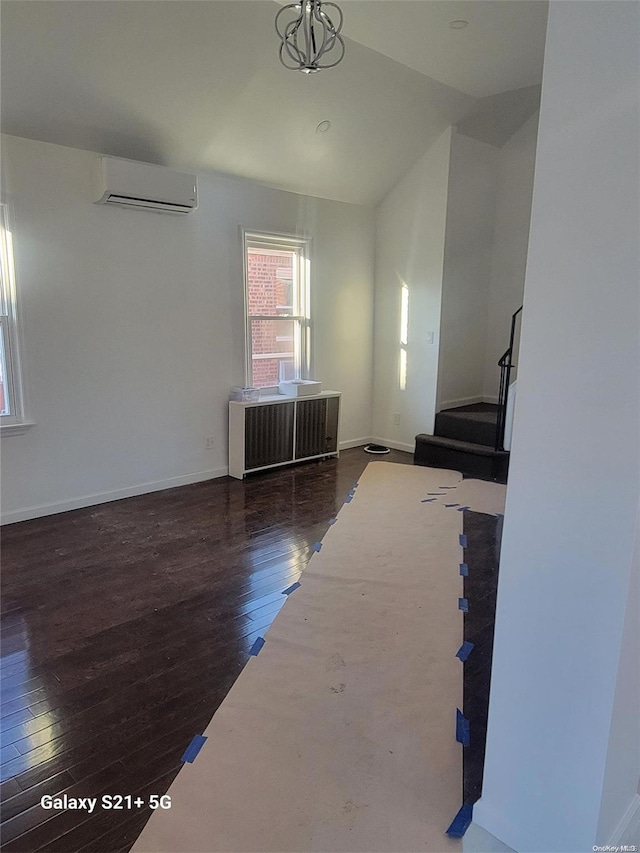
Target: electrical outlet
x,y
209,442
396,418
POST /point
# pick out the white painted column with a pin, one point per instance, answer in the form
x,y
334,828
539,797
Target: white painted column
x,y
573,494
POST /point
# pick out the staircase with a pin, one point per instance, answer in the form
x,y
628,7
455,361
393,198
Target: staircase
x,y
471,439
465,440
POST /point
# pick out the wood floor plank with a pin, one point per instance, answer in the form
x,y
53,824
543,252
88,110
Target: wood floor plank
x,y
12,706
23,800
9,789
37,827
10,721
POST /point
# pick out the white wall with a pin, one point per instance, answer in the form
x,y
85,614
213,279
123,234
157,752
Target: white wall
x,y
489,208
573,493
133,326
510,242
473,177
622,774
410,249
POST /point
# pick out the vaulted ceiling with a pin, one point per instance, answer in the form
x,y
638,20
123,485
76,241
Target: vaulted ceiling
x,y
197,84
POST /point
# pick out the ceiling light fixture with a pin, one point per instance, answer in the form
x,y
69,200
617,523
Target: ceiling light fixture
x,y
310,35
458,25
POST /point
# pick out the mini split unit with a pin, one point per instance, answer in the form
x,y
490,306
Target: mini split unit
x,y
141,186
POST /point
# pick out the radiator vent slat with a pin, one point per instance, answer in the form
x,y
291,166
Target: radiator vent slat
x,y
268,434
311,428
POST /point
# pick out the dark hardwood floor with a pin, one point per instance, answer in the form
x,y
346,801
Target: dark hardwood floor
x,y
482,556
123,627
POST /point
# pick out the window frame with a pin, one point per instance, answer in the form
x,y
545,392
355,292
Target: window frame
x,y
275,241
15,421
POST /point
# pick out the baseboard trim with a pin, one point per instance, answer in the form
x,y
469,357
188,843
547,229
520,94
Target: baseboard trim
x,y
31,512
468,401
354,442
396,445
461,401
626,833
484,816
628,830
478,840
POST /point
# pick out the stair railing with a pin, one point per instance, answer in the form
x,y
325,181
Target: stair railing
x,y
506,365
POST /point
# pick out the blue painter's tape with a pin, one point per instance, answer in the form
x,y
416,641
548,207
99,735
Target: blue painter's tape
x,y
464,508
332,520
465,650
354,487
197,742
499,515
427,500
462,728
255,648
448,505
348,498
316,546
463,540
461,822
463,604
292,588
464,570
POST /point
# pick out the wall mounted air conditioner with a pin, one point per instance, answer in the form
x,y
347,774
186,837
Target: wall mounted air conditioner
x,y
142,186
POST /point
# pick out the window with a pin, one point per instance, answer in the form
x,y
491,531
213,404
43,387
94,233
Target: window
x,y
11,399
404,335
277,309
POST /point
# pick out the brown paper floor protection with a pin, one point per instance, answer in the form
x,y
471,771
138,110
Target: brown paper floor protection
x,y
340,734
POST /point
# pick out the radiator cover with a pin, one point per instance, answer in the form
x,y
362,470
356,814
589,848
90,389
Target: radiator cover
x,y
277,431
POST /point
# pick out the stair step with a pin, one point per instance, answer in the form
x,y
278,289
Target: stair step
x,y
477,460
462,446
476,424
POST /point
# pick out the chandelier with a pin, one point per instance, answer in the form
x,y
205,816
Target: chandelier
x,y
309,35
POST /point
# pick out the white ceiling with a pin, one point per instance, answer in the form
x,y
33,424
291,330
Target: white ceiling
x,y
197,84
501,48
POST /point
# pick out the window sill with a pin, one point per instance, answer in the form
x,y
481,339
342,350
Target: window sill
x,y
15,429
